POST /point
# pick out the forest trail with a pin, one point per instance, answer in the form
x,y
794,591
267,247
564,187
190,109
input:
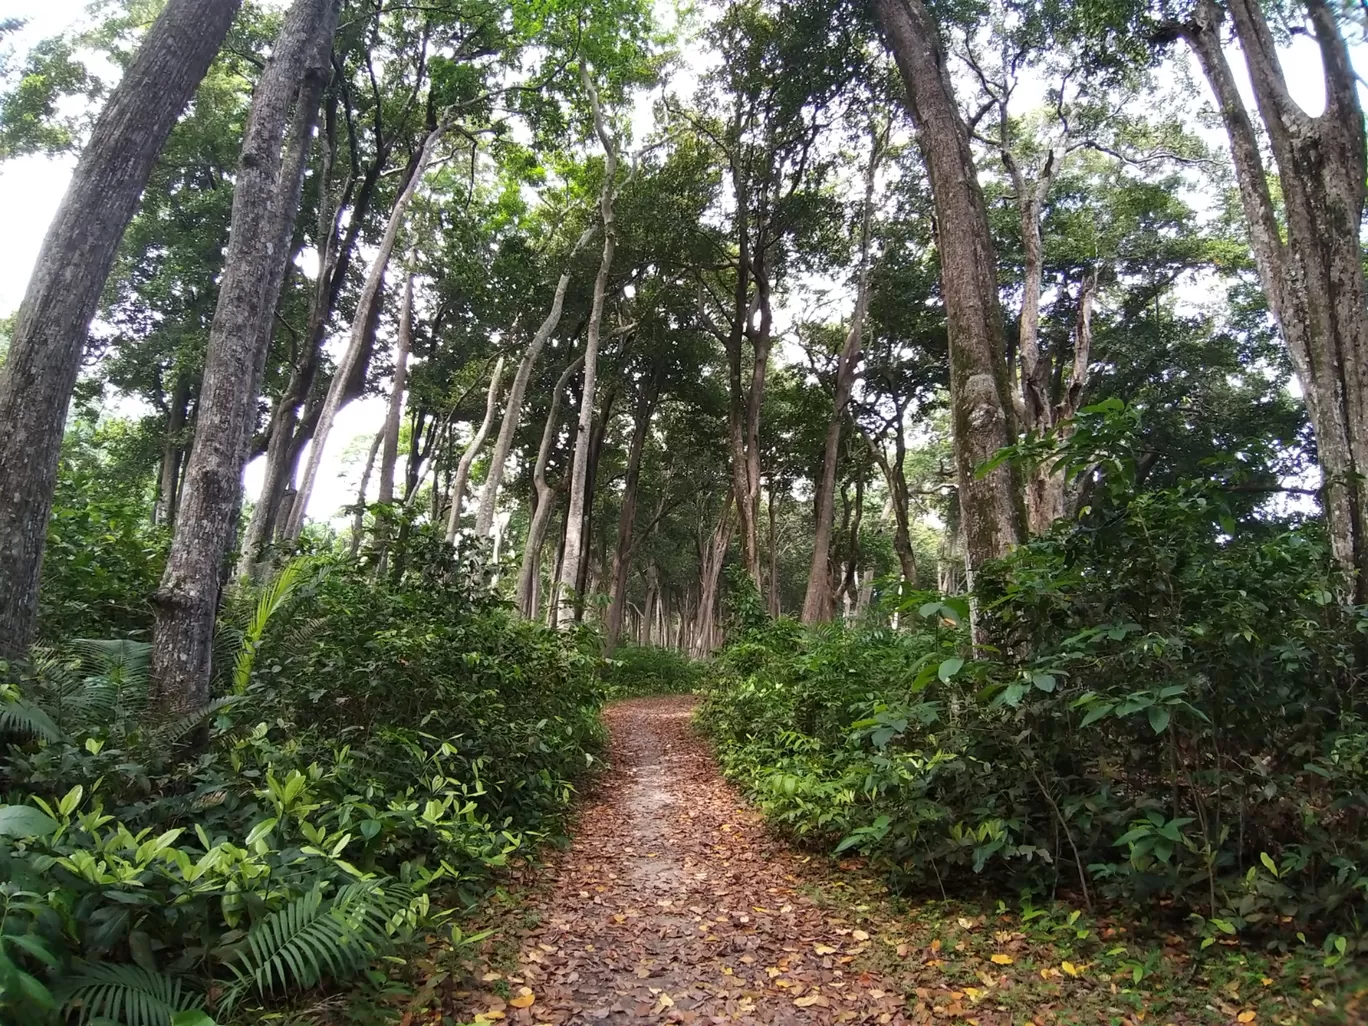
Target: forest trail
x,y
673,904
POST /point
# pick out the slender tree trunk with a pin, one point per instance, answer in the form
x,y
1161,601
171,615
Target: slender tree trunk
x,y
817,604
44,359
574,528
773,604
389,458
622,554
1314,276
714,555
370,293
498,460
472,450
982,414
265,201
173,451
529,576
359,520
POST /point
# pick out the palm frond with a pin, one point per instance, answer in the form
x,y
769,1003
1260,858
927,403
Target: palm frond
x,y
313,938
127,994
171,733
19,716
273,596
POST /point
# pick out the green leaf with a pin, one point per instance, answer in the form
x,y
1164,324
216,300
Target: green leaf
x,y
1268,862
949,668
260,830
1043,681
25,821
1097,712
1159,718
193,1017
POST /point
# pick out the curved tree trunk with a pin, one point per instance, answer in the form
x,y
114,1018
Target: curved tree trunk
x,y
356,344
489,499
359,519
472,450
574,528
530,574
173,452
1314,277
389,452
982,411
265,201
817,602
44,359
622,554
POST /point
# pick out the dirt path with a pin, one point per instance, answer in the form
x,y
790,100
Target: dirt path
x,y
673,905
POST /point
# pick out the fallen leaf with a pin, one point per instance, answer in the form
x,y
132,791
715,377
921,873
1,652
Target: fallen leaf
x,y
1246,1016
859,935
824,949
1070,968
808,1000
524,998
1001,959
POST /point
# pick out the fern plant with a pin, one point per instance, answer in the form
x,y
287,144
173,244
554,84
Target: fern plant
x,y
129,994
314,938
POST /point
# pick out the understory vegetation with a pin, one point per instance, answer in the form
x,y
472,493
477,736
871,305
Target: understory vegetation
x,y
1172,717
374,751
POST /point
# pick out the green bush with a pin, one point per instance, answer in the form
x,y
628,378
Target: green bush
x,y
641,670
1173,710
384,743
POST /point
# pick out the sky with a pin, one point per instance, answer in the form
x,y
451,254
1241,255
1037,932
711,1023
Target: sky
x,y
32,187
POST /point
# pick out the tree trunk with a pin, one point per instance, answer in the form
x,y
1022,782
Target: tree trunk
x,y
773,604
529,576
817,602
622,555
359,520
713,555
265,201
173,451
982,414
389,455
44,360
369,296
472,450
574,528
1314,278
489,499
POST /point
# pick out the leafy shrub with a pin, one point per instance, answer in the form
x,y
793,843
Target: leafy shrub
x,y
393,740
1173,710
641,670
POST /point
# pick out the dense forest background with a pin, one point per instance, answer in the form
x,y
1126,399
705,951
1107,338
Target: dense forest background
x,y
981,389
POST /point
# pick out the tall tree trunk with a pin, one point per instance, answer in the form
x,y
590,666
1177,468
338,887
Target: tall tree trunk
x,y
574,528
44,360
528,577
1314,277
359,519
817,602
773,604
389,453
622,554
173,451
982,414
369,297
489,499
265,201
713,554
472,450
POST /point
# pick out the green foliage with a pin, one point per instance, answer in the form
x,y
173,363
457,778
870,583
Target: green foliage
x,y
395,742
1172,710
641,670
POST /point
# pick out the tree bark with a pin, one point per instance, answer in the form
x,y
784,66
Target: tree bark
x,y
472,450
574,528
622,554
359,519
389,453
1314,277
817,602
44,359
356,344
489,499
530,573
982,414
713,554
173,451
265,201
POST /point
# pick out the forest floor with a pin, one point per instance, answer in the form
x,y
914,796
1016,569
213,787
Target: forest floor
x,y
675,904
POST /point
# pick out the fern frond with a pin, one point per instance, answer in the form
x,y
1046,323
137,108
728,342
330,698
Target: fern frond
x,y
21,717
127,994
173,732
312,938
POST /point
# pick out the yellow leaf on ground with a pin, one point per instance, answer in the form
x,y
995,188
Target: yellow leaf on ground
x,y
490,1016
1246,1016
935,945
489,977
859,935
524,998
808,1000
824,949
1070,968
1267,981
1001,959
